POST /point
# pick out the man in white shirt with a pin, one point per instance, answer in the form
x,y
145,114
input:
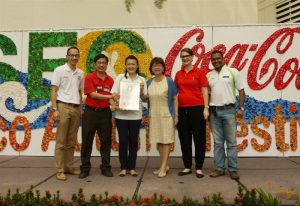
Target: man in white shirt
x,y
223,83
67,84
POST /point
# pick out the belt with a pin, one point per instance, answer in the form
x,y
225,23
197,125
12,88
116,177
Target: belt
x,y
97,109
227,106
71,104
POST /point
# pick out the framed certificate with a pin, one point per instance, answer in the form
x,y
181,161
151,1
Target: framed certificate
x,y
129,96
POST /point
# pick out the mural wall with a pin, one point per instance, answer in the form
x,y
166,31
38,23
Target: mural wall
x,y
267,57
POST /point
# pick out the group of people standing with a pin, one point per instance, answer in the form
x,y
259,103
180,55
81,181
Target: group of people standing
x,y
185,103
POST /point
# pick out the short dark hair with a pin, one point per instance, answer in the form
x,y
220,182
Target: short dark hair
x,y
187,50
100,56
157,60
137,61
72,47
217,52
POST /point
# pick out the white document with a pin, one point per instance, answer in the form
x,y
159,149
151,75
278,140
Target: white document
x,y
129,96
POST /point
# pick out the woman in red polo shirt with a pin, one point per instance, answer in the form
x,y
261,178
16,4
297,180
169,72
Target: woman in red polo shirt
x,y
192,112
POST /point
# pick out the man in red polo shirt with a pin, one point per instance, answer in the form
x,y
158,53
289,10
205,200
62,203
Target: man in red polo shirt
x,y
97,117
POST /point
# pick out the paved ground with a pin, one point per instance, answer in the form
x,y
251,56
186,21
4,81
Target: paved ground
x,y
278,176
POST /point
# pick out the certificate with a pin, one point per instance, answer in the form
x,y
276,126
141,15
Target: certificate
x,y
129,96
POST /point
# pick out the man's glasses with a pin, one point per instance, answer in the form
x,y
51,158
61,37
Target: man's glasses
x,y
184,56
74,55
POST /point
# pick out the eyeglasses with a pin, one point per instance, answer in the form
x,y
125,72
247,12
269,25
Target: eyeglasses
x,y
74,55
185,56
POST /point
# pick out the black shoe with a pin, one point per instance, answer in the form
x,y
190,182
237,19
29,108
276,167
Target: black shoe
x,y
107,173
184,173
83,175
199,175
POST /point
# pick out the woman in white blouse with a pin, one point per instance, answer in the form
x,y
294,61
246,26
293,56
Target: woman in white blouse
x,y
128,122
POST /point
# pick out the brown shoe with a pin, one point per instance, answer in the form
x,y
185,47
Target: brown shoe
x,y
61,176
72,172
234,175
217,173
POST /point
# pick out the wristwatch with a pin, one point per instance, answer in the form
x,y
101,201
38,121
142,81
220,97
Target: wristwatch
x,y
241,108
54,109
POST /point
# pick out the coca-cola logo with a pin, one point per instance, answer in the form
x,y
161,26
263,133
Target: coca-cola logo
x,y
262,70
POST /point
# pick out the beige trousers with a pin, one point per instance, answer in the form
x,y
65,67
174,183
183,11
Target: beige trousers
x,y
66,136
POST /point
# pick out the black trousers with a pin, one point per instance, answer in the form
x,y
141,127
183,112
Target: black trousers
x,y
128,131
92,121
192,125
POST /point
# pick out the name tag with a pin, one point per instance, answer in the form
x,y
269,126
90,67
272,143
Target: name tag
x,y
106,89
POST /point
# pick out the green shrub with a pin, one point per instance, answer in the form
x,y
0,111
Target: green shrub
x,y
255,197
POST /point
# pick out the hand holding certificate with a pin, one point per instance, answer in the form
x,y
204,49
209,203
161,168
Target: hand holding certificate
x,y
129,96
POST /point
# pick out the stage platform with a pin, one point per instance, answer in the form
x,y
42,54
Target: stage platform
x,y
279,176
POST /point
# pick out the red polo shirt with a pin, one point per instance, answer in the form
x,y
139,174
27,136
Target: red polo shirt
x,y
189,87
93,83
